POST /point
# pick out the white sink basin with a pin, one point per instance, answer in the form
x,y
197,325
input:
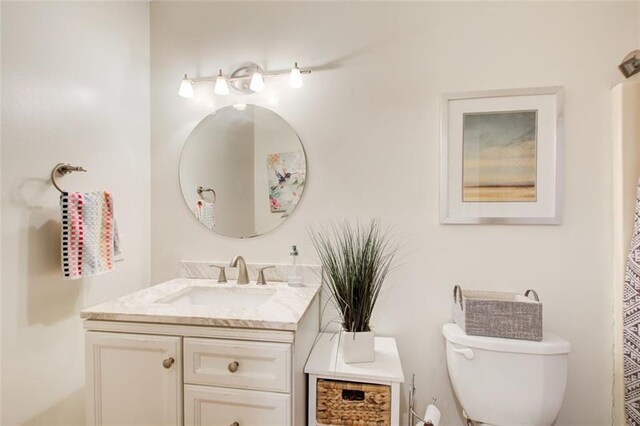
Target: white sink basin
x,y
219,297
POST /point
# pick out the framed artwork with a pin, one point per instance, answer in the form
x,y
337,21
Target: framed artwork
x,y
501,157
287,174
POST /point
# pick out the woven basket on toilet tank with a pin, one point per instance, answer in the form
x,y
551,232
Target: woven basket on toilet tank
x,y
353,404
497,314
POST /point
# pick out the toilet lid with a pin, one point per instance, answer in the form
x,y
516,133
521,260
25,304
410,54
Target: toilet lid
x,y
550,344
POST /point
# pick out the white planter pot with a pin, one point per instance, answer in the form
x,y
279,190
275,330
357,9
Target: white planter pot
x,y
357,347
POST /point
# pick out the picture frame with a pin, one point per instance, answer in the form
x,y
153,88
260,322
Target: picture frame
x,y
501,157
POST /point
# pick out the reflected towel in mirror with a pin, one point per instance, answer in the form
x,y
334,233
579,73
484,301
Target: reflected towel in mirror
x,y
205,212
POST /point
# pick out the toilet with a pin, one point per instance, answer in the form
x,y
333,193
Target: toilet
x,y
507,382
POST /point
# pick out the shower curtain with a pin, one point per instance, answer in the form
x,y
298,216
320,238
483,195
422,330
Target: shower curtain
x,y
626,252
631,324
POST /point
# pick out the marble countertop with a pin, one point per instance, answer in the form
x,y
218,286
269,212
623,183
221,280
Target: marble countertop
x,y
282,311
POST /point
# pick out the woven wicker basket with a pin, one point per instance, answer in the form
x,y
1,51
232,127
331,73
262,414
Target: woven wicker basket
x,y
353,404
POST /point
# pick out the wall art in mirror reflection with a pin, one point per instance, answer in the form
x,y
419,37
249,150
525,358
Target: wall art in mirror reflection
x,y
287,175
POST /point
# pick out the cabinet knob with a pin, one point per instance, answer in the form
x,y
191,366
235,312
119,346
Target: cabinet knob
x,y
235,424
167,363
233,367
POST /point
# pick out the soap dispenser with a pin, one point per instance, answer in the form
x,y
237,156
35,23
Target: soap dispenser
x,y
294,279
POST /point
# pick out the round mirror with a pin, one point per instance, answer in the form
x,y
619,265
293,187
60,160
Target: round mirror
x,y
242,171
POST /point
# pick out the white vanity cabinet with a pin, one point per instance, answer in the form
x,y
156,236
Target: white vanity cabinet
x,y
171,374
191,351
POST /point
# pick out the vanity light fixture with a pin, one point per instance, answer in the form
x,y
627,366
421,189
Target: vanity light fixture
x,y
295,78
221,87
186,89
257,82
246,79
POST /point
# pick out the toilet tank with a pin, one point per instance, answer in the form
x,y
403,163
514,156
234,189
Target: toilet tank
x,y
507,382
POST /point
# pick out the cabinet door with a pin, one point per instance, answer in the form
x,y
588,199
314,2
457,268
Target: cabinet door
x,y
133,379
212,406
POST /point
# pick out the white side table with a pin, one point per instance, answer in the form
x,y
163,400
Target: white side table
x,y
325,362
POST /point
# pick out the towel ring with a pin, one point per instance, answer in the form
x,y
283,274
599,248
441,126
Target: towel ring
x,y
201,189
62,169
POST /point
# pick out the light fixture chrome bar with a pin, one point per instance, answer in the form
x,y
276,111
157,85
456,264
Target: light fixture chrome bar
x,y
199,80
240,78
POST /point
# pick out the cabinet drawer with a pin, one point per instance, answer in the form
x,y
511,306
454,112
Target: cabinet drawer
x,y
211,406
238,364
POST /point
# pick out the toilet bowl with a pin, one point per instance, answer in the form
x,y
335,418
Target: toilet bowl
x,y
507,382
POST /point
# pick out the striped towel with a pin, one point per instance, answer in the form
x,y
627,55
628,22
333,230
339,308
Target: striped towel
x,y
206,213
89,234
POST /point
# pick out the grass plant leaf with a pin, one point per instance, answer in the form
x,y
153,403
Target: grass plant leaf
x,y
356,260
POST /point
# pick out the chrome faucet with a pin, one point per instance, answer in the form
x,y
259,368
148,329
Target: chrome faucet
x,y
243,276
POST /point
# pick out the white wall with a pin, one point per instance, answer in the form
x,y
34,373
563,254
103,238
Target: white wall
x,y
75,88
369,120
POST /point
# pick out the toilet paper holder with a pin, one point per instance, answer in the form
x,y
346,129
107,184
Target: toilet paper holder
x,y
432,414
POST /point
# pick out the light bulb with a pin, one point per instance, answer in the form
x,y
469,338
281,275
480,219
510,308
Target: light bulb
x,y
222,87
257,82
295,78
186,89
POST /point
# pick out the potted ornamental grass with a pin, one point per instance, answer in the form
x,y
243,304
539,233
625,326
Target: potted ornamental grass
x,y
355,260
